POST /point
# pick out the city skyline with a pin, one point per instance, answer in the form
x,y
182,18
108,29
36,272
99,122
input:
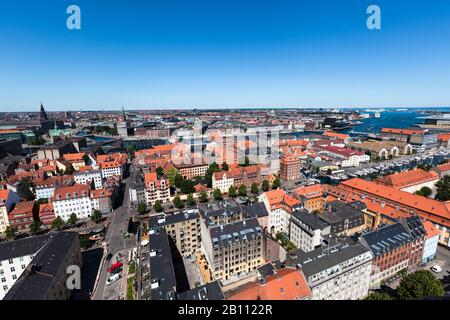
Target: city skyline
x,y
224,55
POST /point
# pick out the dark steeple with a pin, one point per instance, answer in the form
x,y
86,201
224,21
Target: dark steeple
x,y
43,115
124,115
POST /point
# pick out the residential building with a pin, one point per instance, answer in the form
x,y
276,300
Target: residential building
x,y
75,159
411,180
308,231
312,197
233,250
137,188
418,233
46,260
390,246
340,271
157,188
22,215
210,291
46,213
344,157
45,188
87,177
280,206
101,200
222,180
162,275
111,164
431,242
443,169
190,171
403,203
282,284
344,219
290,166
8,199
183,227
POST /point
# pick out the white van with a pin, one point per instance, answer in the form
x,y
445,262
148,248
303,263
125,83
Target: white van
x,y
113,279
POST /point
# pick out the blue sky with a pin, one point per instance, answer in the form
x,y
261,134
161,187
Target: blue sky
x,y
223,54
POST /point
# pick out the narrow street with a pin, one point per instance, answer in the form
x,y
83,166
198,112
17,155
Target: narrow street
x,y
117,245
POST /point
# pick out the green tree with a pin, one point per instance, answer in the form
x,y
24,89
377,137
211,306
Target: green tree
x,y
24,189
57,223
203,197
265,186
190,200
86,159
171,173
242,190
443,189
255,189
419,284
35,227
159,171
217,195
276,183
178,203
69,169
213,167
187,186
178,180
72,219
244,162
142,207
10,233
96,216
225,166
424,191
232,192
157,206
378,296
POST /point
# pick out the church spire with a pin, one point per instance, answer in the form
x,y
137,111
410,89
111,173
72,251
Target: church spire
x,y
124,115
43,115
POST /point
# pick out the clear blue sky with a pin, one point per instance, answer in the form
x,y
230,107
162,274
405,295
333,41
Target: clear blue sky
x,y
223,54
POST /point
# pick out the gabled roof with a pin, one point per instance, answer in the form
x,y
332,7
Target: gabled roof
x,y
408,178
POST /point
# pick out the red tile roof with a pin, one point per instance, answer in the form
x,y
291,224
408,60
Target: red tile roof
x,y
286,284
432,231
409,178
75,191
310,192
402,131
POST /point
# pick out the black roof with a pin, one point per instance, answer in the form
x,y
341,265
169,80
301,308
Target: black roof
x,y
311,220
256,210
340,211
162,220
22,247
209,291
326,257
223,236
415,226
35,283
161,266
387,238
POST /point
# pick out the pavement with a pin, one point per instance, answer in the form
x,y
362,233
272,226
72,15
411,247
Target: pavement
x,y
116,243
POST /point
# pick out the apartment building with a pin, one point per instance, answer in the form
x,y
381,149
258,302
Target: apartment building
x,y
308,231
101,200
312,197
223,181
45,188
233,250
390,246
411,180
111,164
22,215
402,203
87,177
190,171
417,230
44,265
157,188
280,206
290,166
8,199
431,242
340,271
344,218
75,159
221,212
183,227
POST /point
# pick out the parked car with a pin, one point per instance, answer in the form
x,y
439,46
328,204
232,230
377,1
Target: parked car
x,y
115,266
436,268
113,279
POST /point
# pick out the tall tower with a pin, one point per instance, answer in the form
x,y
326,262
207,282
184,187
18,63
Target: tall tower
x,y
124,115
43,115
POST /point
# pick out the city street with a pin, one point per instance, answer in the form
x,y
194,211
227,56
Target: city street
x,y
116,243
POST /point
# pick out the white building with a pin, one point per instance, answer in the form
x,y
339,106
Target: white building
x,y
15,256
222,180
7,199
431,242
74,199
87,177
280,206
44,192
307,230
337,272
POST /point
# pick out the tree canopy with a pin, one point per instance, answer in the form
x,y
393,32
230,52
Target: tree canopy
x,y
217,195
443,189
420,284
232,192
